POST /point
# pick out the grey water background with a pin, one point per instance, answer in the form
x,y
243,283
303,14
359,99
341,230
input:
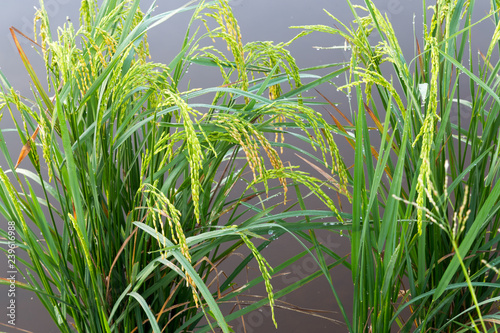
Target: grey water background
x,y
259,20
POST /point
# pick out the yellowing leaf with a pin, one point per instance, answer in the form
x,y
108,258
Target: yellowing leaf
x,y
27,147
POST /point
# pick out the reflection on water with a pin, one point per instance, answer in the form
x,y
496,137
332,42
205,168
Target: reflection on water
x,y
259,20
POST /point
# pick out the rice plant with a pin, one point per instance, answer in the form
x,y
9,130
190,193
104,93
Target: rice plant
x,y
129,193
425,216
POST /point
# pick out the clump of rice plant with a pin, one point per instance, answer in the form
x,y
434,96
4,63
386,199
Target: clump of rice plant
x,y
132,186
425,226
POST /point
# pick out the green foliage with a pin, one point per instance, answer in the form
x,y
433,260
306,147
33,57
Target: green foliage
x,y
138,181
146,190
425,238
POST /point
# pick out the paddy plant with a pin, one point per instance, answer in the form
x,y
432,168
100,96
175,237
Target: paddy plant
x,y
129,192
425,203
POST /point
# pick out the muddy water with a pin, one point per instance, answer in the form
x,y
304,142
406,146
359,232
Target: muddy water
x,y
259,20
